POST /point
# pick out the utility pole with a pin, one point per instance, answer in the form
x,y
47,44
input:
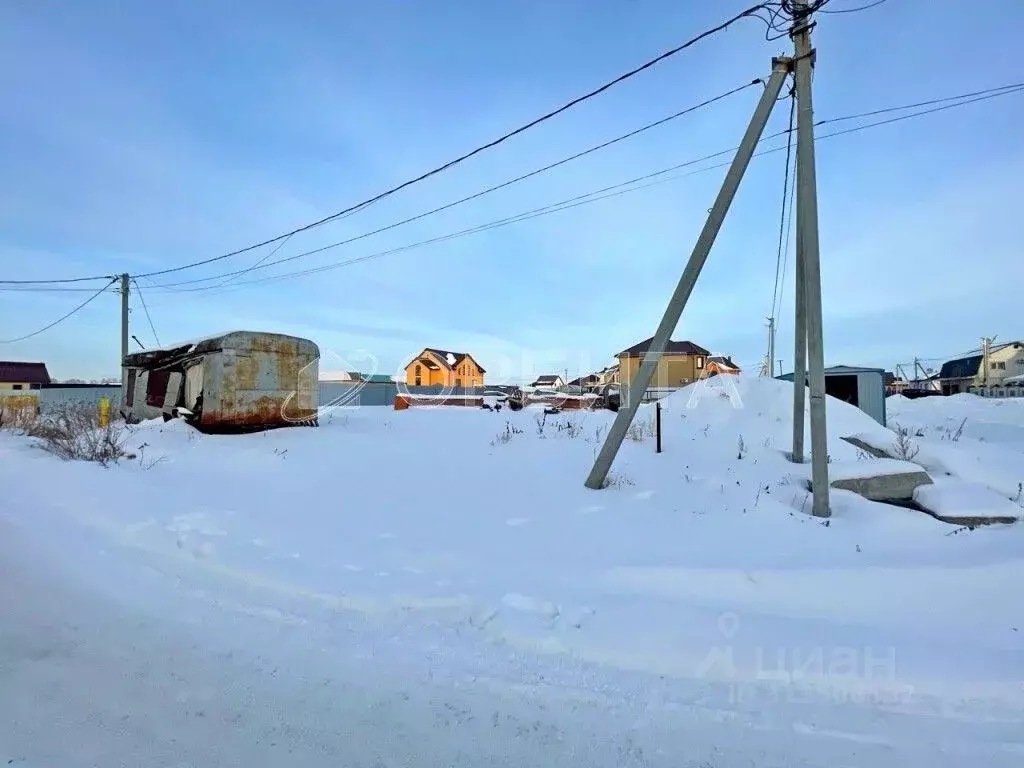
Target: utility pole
x,y
800,348
986,350
125,279
642,380
807,207
771,347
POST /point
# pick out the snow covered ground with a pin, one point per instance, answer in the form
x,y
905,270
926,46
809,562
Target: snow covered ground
x,y
974,438
437,587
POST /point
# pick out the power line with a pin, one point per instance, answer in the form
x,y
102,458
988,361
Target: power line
x,y
482,148
138,289
42,289
1010,88
581,199
957,101
785,253
59,320
854,10
785,200
494,188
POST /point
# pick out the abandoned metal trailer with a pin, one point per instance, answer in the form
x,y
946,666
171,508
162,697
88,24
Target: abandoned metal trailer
x,y
862,387
236,381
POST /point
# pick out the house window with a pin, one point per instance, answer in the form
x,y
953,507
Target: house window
x,y
999,366
700,363
17,386
418,370
419,382
458,382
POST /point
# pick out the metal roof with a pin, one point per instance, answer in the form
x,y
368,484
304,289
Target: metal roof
x,y
30,373
671,348
234,340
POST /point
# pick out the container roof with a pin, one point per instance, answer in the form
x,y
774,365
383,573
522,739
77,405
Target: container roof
x,y
239,340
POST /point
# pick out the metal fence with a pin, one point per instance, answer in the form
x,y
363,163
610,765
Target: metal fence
x,y
330,393
52,397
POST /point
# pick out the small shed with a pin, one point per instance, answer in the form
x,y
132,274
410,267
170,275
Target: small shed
x,y
862,387
19,375
239,380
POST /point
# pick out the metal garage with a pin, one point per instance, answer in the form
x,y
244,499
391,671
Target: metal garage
x,y
862,387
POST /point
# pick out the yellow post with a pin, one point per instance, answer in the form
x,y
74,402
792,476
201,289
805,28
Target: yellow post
x,y
104,411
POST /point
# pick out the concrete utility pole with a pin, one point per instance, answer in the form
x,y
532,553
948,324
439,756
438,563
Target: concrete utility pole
x,y
771,347
638,386
125,279
986,350
807,237
799,349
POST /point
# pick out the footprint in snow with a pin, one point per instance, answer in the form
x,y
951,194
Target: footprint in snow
x,y
592,508
350,567
645,495
514,522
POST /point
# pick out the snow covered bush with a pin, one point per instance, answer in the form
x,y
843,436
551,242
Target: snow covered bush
x,y
73,433
640,430
506,435
617,480
904,448
17,419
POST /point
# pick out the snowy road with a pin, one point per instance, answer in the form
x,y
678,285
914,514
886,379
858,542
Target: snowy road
x,y
110,660
341,597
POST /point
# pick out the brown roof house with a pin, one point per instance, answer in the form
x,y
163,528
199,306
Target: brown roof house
x,y
681,363
439,367
717,364
18,376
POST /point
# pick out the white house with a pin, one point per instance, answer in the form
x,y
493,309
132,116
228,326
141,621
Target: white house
x,y
549,381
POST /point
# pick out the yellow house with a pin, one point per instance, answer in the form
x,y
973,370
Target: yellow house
x,y
682,363
439,367
18,376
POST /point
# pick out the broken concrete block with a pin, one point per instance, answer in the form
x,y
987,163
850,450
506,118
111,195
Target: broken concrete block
x,y
879,479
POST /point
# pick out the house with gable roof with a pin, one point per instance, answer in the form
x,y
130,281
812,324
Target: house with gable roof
x,y
439,367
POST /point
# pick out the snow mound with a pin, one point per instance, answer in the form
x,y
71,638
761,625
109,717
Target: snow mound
x,y
959,498
855,470
761,409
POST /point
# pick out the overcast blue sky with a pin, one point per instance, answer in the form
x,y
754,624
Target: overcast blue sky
x,y
137,136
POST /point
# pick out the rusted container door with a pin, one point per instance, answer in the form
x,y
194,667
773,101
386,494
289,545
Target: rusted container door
x,y
270,383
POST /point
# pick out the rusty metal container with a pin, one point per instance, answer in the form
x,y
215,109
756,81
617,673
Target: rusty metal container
x,y
235,381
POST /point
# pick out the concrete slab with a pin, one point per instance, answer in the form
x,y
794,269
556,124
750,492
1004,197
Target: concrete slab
x,y
878,453
966,503
879,479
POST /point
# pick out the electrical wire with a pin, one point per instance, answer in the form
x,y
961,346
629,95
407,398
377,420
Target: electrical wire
x,y
789,243
785,200
494,188
571,202
854,10
958,100
61,319
886,110
482,148
142,299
